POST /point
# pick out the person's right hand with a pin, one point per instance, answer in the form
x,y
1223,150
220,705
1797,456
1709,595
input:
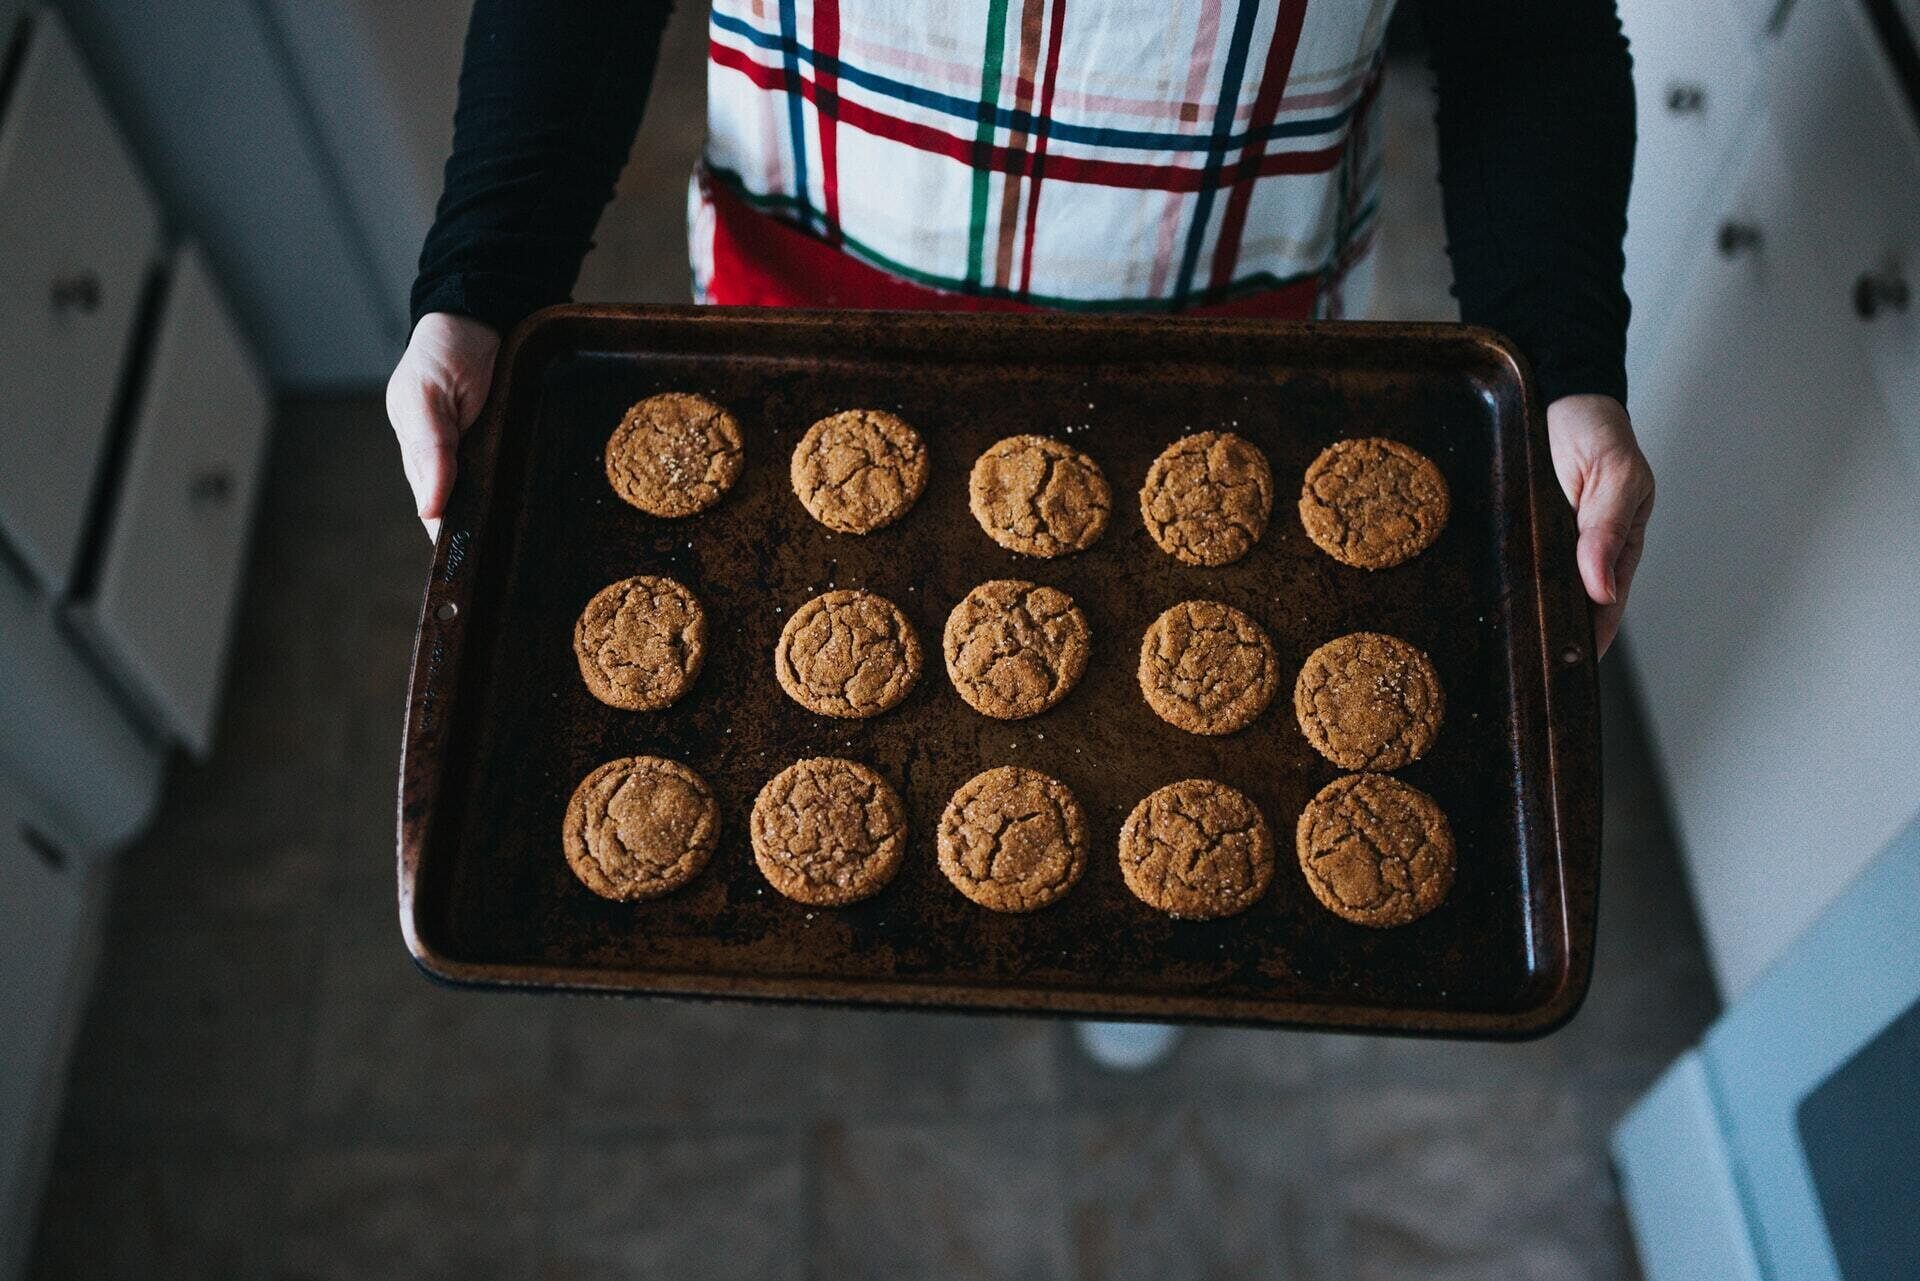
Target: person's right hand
x,y
434,395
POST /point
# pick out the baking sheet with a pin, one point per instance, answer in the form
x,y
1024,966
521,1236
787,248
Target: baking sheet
x,y
500,727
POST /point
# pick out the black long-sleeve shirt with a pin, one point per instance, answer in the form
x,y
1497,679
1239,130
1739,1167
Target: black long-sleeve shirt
x,y
1536,134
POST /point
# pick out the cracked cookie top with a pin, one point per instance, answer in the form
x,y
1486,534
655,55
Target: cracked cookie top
x,y
1376,851
1039,497
1373,503
639,827
641,642
1369,701
859,470
847,653
1197,849
674,454
828,831
1207,668
1207,498
1015,648
1013,839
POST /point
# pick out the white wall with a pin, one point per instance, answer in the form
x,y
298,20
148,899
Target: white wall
x,y
301,142
203,93
382,79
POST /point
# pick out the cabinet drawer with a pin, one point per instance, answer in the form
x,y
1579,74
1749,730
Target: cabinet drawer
x,y
80,233
1694,74
161,609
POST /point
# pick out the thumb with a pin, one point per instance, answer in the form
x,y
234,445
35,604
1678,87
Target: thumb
x,y
435,393
1612,499
424,425
1597,554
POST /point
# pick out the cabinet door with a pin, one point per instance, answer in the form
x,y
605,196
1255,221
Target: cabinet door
x,y
1844,121
44,923
1694,76
1731,413
175,544
80,234
1772,623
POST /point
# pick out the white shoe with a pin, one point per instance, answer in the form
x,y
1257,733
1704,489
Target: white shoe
x,y
1126,1047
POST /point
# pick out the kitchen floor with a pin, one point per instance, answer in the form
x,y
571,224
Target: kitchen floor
x,y
265,1087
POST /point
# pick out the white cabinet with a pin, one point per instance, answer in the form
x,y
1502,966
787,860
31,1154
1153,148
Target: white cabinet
x,y
1772,624
80,236
86,773
162,606
132,421
1740,396
46,920
1840,122
1694,71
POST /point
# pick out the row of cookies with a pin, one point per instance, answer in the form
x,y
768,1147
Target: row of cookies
x,y
1014,649
827,832
1369,502
1369,701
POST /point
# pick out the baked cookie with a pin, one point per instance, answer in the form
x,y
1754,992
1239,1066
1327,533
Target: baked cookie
x,y
1207,668
1013,839
639,827
641,642
1369,701
828,831
1039,497
1373,503
1207,498
675,454
859,470
1196,849
1376,851
1015,648
850,654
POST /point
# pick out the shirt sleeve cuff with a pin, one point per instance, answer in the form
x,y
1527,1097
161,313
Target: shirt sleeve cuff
x,y
493,298
1559,374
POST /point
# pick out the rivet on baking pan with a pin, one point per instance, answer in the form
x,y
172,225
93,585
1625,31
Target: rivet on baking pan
x,y
1570,655
446,612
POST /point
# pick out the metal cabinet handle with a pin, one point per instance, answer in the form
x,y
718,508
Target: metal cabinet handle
x,y
1686,99
1737,238
213,486
1877,289
80,292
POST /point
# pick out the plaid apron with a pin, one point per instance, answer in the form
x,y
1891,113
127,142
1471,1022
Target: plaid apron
x,y
1094,155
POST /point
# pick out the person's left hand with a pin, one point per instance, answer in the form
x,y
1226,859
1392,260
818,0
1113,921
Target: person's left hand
x,y
1610,485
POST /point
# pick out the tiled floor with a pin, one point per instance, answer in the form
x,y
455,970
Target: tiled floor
x,y
266,1088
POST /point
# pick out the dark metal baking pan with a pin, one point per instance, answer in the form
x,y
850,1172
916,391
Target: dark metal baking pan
x,y
500,727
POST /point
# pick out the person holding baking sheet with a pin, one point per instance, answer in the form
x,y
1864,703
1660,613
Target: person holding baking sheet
x,y
1209,157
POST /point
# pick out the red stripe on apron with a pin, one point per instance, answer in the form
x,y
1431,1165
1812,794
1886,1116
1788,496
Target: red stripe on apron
x,y
759,261
1039,162
1266,105
826,105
